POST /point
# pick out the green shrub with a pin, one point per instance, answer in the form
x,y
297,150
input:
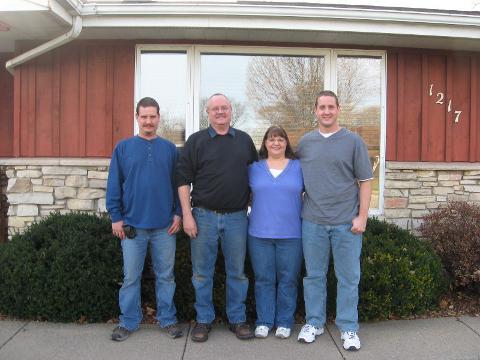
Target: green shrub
x,y
401,275
64,268
69,267
454,232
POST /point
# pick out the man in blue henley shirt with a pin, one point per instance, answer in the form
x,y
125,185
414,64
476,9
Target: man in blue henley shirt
x,y
144,208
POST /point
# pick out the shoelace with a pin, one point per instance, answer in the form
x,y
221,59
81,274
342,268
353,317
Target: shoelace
x,y
309,328
351,334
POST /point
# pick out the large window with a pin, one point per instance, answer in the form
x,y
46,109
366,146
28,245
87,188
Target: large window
x,y
267,86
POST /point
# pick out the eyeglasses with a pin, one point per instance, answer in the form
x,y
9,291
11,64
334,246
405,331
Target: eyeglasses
x,y
277,139
219,109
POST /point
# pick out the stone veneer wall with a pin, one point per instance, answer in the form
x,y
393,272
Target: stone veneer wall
x,y
3,206
38,186
414,188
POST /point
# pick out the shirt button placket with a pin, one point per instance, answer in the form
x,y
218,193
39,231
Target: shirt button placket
x,y
149,152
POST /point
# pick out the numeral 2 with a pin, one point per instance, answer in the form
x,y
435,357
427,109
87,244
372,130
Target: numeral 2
x,y
440,97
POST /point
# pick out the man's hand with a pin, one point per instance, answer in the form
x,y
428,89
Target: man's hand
x,y
358,225
176,223
190,226
117,229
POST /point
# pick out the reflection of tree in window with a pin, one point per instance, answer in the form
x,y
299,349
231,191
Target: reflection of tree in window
x,y
358,80
282,89
172,127
238,109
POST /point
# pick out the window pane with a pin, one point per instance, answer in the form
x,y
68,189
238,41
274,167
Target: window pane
x,y
264,90
359,91
163,76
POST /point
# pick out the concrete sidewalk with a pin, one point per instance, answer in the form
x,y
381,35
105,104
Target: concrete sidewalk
x,y
439,338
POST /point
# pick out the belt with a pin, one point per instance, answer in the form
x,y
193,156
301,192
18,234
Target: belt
x,y
220,211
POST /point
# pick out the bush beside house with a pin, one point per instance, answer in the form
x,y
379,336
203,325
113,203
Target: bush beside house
x,y
454,233
63,268
69,268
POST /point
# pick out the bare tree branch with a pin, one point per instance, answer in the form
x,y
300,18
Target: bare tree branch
x,y
282,89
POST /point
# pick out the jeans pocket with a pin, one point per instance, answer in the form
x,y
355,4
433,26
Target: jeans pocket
x,y
198,212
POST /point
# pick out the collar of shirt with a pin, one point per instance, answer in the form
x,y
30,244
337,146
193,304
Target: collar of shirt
x,y
213,133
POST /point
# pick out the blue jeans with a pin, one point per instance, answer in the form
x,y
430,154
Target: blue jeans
x,y
276,264
231,230
346,248
162,249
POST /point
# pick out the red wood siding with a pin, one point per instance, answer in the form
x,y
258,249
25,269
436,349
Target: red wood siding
x,y
76,101
421,125
6,107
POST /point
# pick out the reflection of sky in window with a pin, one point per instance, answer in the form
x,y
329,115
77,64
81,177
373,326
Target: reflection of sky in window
x,y
226,74
370,72
163,76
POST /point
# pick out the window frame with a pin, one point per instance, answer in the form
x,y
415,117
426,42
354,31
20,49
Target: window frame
x,y
194,53
383,112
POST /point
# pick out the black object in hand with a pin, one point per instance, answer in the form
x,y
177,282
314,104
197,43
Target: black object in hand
x,y
130,231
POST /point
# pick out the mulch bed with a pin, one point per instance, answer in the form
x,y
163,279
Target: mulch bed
x,y
454,304
451,305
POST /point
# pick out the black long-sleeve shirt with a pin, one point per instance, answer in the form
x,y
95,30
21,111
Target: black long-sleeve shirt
x,y
217,167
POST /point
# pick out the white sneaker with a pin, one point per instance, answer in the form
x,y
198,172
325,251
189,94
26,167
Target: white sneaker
x,y
308,333
351,341
261,331
283,332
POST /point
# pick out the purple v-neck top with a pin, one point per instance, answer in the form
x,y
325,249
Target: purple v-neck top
x,y
276,201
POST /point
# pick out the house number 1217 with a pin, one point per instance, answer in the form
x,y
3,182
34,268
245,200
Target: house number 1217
x,y
440,99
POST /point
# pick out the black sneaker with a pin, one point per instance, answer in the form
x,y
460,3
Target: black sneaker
x,y
173,330
120,333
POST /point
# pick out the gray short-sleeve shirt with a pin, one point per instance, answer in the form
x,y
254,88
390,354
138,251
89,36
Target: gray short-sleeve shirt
x,y
331,169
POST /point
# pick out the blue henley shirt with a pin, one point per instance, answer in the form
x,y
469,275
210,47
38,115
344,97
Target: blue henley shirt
x,y
140,187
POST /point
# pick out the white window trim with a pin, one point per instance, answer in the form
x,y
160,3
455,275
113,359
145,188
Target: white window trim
x,y
188,50
383,113
194,52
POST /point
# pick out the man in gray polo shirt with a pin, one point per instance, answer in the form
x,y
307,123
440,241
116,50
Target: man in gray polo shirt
x,y
337,174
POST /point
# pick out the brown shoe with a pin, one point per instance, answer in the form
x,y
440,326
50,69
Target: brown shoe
x,y
200,332
242,330
173,330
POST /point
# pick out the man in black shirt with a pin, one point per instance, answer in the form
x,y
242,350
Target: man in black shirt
x,y
215,161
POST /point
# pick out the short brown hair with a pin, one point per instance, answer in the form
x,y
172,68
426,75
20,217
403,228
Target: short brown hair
x,y
273,131
326,93
147,102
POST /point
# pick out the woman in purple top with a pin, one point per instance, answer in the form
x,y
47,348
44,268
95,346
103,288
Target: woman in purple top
x,y
274,232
